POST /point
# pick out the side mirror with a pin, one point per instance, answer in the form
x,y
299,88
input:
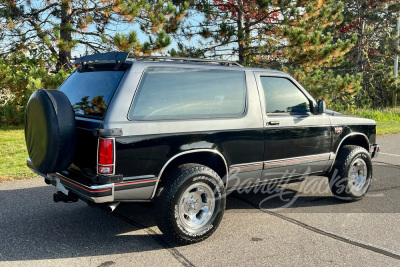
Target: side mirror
x,y
321,106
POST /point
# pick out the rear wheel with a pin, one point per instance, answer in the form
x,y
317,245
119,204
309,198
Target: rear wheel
x,y
190,203
351,174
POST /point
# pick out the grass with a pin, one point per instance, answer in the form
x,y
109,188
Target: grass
x,y
387,120
13,154
388,127
387,114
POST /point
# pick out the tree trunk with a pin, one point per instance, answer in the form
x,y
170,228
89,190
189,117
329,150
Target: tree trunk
x,y
247,41
64,53
240,25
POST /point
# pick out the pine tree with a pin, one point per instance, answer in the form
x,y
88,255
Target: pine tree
x,y
299,37
269,32
373,21
53,28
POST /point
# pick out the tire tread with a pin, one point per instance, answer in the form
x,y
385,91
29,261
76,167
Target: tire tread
x,y
165,194
343,160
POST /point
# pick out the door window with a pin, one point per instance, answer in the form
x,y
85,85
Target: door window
x,y
282,96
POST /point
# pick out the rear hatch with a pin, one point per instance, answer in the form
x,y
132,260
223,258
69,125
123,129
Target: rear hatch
x,y
90,90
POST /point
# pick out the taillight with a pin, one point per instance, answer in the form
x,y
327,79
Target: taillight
x,y
106,156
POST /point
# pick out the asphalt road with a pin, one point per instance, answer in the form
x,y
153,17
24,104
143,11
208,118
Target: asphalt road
x,y
314,229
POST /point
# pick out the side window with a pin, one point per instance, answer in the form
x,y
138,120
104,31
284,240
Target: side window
x,y
282,96
182,93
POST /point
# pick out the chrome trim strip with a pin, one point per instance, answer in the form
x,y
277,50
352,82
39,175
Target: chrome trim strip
x,y
105,186
105,199
304,158
189,152
139,177
337,149
93,187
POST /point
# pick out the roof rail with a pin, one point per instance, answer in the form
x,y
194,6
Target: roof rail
x,y
185,59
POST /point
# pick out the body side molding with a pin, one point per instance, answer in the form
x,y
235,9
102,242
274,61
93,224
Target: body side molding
x,y
185,153
298,160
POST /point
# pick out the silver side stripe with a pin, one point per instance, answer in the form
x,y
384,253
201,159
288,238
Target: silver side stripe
x,y
283,162
297,160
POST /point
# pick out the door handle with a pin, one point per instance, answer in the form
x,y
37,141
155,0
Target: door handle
x,y
273,123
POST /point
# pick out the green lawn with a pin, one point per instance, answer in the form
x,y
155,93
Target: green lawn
x,y
13,154
387,120
388,127
386,114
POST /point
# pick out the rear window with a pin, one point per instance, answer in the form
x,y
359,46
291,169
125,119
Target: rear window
x,y
183,93
90,90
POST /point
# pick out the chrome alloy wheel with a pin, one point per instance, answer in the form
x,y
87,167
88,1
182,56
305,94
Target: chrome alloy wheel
x,y
196,206
358,174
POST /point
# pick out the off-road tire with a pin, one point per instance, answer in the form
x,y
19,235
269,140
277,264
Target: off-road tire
x,y
342,185
172,188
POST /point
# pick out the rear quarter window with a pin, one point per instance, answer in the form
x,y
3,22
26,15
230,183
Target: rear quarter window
x,y
90,92
184,93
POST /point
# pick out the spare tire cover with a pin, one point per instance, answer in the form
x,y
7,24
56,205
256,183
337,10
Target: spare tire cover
x,y
50,131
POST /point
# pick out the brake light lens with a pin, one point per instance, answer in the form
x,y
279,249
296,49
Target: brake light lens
x,y
106,156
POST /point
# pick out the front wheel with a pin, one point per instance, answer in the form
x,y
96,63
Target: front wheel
x,y
190,203
351,174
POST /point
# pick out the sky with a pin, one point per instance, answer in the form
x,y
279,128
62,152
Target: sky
x,y
113,29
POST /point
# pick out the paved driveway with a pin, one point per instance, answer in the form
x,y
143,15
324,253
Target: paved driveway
x,y
316,229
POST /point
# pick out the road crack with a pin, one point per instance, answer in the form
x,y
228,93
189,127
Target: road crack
x,y
381,163
322,232
385,189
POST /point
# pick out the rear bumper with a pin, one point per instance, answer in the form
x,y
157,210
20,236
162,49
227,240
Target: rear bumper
x,y
133,189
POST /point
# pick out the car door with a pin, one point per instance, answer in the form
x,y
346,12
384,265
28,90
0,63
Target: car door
x,y
296,141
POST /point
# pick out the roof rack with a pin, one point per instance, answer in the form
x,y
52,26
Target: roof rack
x,y
121,57
117,56
185,59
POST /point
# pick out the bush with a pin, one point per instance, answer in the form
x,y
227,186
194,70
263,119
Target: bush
x,y
20,76
11,114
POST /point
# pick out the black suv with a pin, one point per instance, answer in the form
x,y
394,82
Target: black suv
x,y
184,132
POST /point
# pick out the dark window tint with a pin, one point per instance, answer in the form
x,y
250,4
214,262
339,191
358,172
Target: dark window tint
x,y
173,93
282,96
90,92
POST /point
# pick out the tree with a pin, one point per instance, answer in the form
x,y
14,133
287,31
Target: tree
x,y
338,91
20,76
373,21
299,37
55,27
268,32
